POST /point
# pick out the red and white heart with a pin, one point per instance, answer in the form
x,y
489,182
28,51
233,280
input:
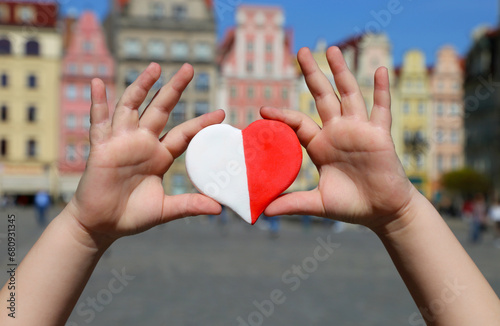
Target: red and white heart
x,y
244,169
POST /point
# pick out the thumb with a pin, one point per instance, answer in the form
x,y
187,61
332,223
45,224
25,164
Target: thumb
x,y
175,207
300,203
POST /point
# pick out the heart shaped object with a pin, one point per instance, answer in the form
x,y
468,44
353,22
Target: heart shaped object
x,y
244,169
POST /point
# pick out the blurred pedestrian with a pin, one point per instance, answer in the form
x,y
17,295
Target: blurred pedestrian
x,y
478,219
42,203
274,226
494,214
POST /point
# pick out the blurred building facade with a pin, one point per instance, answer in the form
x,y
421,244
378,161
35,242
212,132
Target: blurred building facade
x,y
413,87
482,104
30,50
257,65
446,145
168,32
87,57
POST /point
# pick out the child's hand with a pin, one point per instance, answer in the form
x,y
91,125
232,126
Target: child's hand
x,y
361,178
121,190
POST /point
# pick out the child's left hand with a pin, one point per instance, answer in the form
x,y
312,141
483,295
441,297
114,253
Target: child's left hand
x,y
121,191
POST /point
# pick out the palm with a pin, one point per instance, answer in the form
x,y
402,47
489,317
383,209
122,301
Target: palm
x,y
357,176
121,190
361,179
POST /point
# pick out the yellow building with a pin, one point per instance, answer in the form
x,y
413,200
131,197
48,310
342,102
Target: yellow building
x,y
415,117
308,177
29,87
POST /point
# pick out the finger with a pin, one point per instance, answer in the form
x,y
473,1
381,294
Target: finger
x,y
353,103
155,116
327,103
297,203
184,205
126,115
305,128
381,112
99,111
177,140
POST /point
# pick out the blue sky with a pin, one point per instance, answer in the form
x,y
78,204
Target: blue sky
x,y
422,24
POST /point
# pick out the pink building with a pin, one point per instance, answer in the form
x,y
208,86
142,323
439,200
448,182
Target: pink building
x,y
87,57
257,65
447,142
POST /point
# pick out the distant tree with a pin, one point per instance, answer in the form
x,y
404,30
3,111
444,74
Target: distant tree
x,y
466,182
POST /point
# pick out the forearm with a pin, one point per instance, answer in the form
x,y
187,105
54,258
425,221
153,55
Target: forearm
x,y
445,283
52,275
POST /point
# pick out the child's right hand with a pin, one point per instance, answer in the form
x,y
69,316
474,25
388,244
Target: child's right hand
x,y
121,191
361,178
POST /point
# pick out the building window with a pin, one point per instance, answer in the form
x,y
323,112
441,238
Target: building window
x,y
179,184
179,12
32,81
420,160
88,70
269,47
454,136
439,136
249,66
233,92
70,153
250,92
250,46
86,151
131,76
4,13
132,48
87,47
71,121
421,108
406,108
455,109
454,162
102,70
72,69
86,122
87,92
32,48
5,47
157,10
284,93
439,109
26,14
31,148
4,113
269,67
71,92
4,80
440,163
179,113
3,148
233,117
201,108
203,82
31,114
180,50
203,51
156,49
268,92
250,115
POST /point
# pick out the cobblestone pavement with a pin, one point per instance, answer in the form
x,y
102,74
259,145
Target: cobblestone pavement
x,y
196,272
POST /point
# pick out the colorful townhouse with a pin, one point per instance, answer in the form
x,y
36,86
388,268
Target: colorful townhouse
x,y
447,140
257,65
171,33
87,57
415,118
30,48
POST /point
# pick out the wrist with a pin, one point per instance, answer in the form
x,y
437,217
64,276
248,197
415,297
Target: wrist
x,y
80,233
404,219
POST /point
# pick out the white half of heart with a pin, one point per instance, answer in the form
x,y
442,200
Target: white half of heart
x,y
215,163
